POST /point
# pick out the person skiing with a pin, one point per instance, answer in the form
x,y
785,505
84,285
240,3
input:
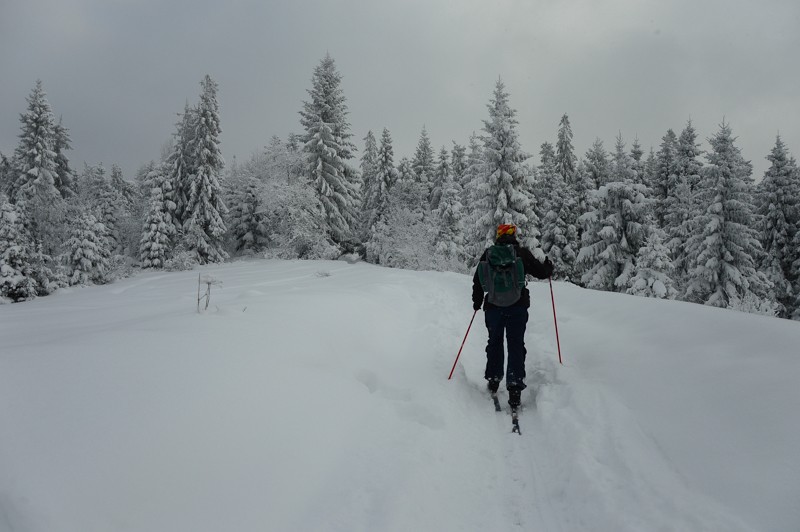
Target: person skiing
x,y
500,275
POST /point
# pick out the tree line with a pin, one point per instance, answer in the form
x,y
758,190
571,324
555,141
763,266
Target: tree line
x,y
674,223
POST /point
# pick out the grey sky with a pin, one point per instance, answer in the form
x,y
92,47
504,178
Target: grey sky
x,y
118,71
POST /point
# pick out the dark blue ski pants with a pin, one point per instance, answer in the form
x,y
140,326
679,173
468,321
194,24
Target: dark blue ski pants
x,y
511,321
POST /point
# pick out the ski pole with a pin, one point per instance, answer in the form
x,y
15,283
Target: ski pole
x,y
553,299
462,344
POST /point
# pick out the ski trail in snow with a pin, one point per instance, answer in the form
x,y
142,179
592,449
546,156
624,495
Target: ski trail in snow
x,y
326,406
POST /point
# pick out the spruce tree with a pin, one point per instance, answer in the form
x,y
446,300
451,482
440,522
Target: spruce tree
x,y
637,163
507,199
249,223
124,189
545,185
724,251
98,194
597,167
64,175
159,230
34,188
369,162
565,160
778,204
181,163
205,206
17,281
88,252
386,173
449,238
6,172
442,174
475,198
557,206
328,149
683,208
458,164
650,171
613,232
653,271
666,179
621,163
385,177
616,229
423,162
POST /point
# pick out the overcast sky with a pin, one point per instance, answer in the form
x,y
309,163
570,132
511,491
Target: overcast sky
x,y
118,71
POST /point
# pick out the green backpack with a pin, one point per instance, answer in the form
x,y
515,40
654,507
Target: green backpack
x,y
502,275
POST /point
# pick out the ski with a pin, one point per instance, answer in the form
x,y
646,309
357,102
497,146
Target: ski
x,y
496,400
515,421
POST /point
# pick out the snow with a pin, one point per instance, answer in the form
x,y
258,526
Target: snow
x,y
314,396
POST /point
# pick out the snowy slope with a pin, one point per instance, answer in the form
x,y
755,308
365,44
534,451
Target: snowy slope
x,y
313,396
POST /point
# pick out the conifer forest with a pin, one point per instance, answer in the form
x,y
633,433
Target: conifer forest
x,y
670,221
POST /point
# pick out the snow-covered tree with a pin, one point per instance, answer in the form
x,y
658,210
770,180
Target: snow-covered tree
x,y
503,197
106,203
637,163
653,270
650,172
64,175
17,282
34,188
87,251
403,236
596,163
159,230
205,207
405,170
559,234
458,164
182,164
581,189
249,223
475,201
423,162
621,166
666,179
449,239
612,235
566,163
369,163
6,173
386,176
442,174
284,159
329,149
688,156
123,188
724,251
683,207
546,180
778,204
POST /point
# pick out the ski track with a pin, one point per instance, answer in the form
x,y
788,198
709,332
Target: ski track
x,y
577,466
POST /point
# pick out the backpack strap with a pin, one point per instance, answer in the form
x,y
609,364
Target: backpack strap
x,y
486,278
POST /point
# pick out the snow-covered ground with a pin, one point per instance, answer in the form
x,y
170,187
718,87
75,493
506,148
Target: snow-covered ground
x,y
313,396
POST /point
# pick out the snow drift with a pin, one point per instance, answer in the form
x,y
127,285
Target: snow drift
x,y
314,396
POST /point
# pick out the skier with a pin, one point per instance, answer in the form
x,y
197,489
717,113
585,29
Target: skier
x,y
506,311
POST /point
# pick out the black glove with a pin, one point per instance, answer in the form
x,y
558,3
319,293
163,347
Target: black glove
x,y
548,266
476,305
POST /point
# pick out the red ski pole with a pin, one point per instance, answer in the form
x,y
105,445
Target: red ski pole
x,y
553,299
462,344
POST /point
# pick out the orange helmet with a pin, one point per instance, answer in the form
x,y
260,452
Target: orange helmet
x,y
506,229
